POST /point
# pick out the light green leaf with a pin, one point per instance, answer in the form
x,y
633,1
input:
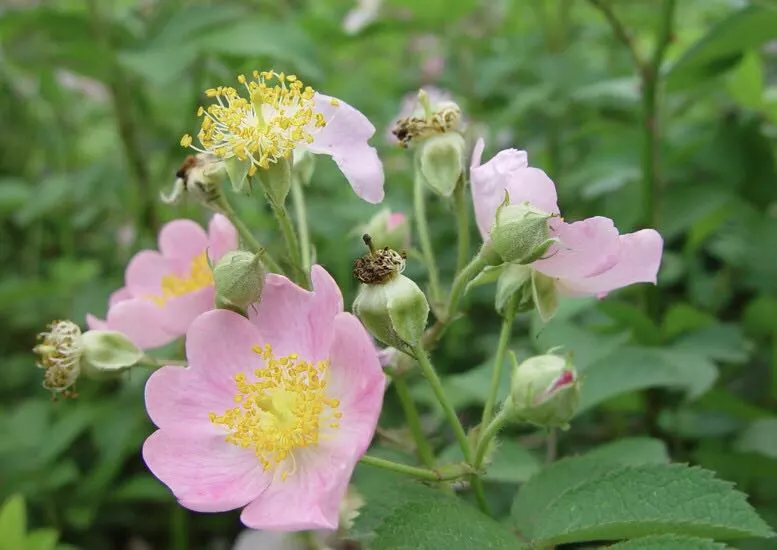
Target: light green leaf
x,y
635,501
399,514
42,539
632,451
512,463
718,342
742,31
13,523
746,81
586,348
760,437
669,542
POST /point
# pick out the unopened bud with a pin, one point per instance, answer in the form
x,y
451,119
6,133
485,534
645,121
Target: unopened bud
x,y
520,234
239,279
107,353
199,178
544,391
441,161
392,307
389,229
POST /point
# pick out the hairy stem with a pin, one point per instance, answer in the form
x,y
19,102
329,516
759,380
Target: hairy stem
x,y
423,449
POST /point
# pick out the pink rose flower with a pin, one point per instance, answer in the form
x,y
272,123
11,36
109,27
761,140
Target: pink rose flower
x,y
165,291
591,257
272,413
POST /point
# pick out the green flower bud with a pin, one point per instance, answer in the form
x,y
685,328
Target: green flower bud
x,y
276,180
390,305
441,161
520,234
544,391
239,279
389,229
108,352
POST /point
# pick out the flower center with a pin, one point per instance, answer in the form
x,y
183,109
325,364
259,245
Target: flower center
x,y
284,409
277,115
199,276
60,353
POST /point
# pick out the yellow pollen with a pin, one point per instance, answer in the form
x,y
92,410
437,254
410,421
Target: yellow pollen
x,y
275,115
282,409
199,277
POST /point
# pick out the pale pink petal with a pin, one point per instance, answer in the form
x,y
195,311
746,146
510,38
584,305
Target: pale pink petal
x,y
141,321
180,311
507,172
144,273
179,399
206,474
222,236
182,239
357,380
219,345
346,139
119,296
308,499
586,248
295,320
95,323
638,262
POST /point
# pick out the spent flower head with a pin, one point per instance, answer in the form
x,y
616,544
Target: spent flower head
x,y
59,353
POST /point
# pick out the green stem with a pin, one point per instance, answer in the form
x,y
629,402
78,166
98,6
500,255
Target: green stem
x,y
179,528
419,207
485,438
300,212
222,206
290,238
501,349
460,283
462,223
423,449
422,473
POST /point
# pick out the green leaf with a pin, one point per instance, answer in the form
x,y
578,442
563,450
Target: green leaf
x,y
683,317
632,451
13,523
512,463
633,501
742,31
629,316
746,81
42,539
760,437
669,542
586,348
718,342
400,514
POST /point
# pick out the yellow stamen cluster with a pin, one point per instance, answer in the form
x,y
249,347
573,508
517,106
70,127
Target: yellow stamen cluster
x,y
199,276
60,353
284,409
277,115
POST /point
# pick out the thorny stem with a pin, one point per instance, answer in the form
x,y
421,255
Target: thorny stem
x,y
492,428
422,473
300,213
423,449
419,211
462,221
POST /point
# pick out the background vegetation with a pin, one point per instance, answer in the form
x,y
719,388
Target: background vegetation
x,y
95,94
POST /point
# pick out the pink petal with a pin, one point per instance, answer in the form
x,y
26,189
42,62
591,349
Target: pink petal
x,y
507,171
182,239
179,399
219,345
119,296
345,138
587,248
294,320
179,312
308,499
222,236
206,474
145,271
639,260
95,323
357,380
141,321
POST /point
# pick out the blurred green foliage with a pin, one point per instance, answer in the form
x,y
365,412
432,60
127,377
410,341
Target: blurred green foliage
x,y
94,96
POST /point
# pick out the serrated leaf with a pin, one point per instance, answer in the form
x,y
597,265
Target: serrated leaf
x,y
13,523
669,542
634,501
632,451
